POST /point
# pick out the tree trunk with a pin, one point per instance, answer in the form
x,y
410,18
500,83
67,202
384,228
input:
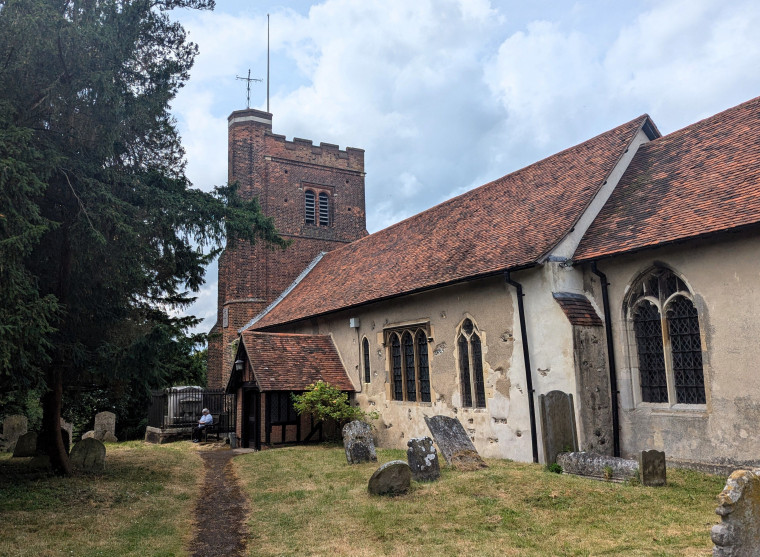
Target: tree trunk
x,y
51,440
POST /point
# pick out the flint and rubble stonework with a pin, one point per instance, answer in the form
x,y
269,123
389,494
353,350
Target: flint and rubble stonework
x,y
738,534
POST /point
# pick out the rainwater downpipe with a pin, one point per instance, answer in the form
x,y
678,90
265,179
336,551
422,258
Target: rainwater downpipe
x,y
526,357
610,360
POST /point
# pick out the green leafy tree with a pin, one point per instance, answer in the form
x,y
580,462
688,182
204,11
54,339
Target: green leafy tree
x,y
102,239
325,402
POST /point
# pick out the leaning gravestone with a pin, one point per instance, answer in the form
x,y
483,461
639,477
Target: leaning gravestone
x,y
26,445
89,455
652,468
738,534
392,478
454,443
357,440
423,459
105,427
557,424
13,428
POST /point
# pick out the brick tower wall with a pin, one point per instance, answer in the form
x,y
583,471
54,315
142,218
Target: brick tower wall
x,y
279,172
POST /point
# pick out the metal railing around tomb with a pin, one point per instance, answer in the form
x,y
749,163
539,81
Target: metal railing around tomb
x,y
178,407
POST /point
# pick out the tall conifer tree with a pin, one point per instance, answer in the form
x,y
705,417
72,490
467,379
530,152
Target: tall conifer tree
x,y
101,236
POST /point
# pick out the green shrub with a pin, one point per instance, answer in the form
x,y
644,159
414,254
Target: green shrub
x,y
553,468
325,402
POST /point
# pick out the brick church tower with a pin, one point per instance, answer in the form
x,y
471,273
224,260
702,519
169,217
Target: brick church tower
x,y
315,194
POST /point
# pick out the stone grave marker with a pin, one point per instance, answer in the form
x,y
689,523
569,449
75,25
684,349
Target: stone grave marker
x,y
69,429
105,427
557,424
13,428
392,478
652,468
598,466
455,445
738,534
357,440
423,459
26,445
89,455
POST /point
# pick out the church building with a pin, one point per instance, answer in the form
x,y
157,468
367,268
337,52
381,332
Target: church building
x,y
621,275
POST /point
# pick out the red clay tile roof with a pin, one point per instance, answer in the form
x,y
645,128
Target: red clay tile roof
x,y
699,180
286,362
578,309
506,224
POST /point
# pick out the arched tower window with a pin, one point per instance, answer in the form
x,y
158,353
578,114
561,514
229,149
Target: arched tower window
x,y
309,208
365,354
410,368
666,329
324,209
471,366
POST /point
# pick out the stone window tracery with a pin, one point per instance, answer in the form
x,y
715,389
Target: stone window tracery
x,y
410,368
665,325
471,366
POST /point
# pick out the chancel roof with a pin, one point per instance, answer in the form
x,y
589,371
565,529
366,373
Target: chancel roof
x,y
289,362
509,223
699,180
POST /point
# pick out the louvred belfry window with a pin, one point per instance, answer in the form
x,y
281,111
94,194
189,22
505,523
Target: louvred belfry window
x,y
668,344
324,209
309,206
410,368
471,378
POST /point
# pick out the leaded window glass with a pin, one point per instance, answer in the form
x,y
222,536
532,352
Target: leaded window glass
x,y
471,366
668,344
410,364
365,350
398,388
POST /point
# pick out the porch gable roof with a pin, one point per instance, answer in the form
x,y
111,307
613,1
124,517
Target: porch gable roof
x,y
292,362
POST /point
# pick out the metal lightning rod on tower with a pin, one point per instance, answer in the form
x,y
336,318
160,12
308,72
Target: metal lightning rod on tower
x,y
267,62
248,88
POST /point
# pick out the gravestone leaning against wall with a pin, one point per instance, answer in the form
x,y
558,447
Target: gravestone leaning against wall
x,y
557,424
455,445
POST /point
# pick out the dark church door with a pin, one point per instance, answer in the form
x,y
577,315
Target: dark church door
x,y
251,412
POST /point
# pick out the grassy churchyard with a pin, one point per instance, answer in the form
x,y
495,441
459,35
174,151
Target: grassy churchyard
x,y
309,501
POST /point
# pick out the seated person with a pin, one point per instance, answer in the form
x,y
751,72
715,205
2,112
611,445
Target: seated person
x,y
205,421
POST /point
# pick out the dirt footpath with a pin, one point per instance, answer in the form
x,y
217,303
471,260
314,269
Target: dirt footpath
x,y
221,510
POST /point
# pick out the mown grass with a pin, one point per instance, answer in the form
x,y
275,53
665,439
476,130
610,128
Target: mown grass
x,y
141,505
309,501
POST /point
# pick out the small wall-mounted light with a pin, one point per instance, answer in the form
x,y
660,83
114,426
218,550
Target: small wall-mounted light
x,y
354,322
239,365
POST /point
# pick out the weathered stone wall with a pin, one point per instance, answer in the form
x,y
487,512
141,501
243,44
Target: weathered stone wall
x,y
593,390
722,273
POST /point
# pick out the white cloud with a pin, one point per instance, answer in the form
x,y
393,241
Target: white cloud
x,y
445,95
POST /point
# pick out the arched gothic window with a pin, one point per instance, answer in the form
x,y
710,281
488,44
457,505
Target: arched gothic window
x,y
471,366
666,328
365,354
309,207
410,369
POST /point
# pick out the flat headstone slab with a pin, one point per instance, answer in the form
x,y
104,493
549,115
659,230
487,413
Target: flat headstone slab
x,y
653,468
600,467
423,459
392,478
26,445
557,424
738,534
105,422
89,455
451,438
13,428
358,442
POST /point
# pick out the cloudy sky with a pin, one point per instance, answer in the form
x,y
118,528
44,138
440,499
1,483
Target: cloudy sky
x,y
445,95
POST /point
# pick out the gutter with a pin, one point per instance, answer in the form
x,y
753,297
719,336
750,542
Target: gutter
x,y
610,360
526,357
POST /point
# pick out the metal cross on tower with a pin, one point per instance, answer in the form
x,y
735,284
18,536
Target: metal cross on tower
x,y
248,86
